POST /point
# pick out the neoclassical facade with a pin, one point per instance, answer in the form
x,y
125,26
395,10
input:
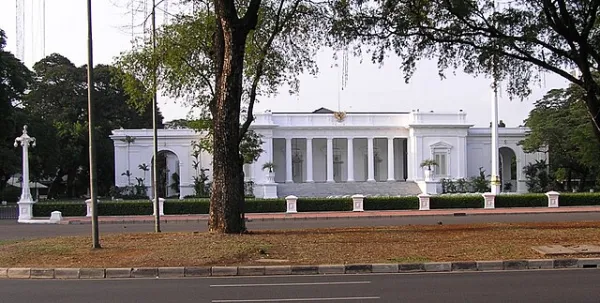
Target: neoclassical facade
x,y
334,153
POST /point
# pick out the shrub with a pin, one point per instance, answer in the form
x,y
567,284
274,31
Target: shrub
x,y
579,199
458,201
391,203
524,200
67,209
324,204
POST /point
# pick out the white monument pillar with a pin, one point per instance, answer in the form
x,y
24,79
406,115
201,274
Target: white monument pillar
x,y
26,201
370,160
309,161
350,159
330,160
288,160
390,146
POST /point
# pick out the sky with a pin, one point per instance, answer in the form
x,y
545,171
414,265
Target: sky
x,y
370,87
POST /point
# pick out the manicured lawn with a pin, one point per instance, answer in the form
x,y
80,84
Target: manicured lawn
x,y
404,244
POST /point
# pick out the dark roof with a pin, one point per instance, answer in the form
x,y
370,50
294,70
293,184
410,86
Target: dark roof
x,y
323,110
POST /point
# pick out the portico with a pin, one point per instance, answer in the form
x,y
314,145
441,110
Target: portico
x,y
335,159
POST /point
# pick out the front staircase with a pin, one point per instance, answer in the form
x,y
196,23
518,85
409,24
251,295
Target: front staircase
x,y
399,188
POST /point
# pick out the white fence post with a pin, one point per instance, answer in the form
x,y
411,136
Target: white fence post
x,y
489,200
161,204
358,202
424,200
552,198
291,204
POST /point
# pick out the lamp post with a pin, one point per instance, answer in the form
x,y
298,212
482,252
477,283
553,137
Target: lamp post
x,y
91,125
26,201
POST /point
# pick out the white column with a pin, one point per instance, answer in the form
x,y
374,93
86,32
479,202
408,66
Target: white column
x,y
288,160
350,159
371,164
390,159
330,160
410,159
309,160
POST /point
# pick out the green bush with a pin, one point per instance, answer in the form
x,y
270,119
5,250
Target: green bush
x,y
579,199
390,203
324,204
186,207
10,194
43,209
458,201
265,206
524,200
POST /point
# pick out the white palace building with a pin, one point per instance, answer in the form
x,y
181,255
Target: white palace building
x,y
327,153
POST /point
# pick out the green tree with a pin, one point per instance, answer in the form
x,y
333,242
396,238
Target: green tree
x,y
559,126
58,98
14,81
508,42
226,52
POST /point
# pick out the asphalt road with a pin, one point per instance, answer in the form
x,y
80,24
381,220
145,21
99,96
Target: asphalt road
x,y
579,286
10,230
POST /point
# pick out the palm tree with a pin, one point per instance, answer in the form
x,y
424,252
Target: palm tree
x,y
129,140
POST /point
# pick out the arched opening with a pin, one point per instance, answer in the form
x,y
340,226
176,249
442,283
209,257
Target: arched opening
x,y
169,177
508,169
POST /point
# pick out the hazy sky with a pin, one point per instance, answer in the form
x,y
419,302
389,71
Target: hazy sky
x,y
370,87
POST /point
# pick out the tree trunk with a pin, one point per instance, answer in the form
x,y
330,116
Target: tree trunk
x,y
227,195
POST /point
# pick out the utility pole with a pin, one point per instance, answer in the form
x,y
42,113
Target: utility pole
x,y
90,83
154,122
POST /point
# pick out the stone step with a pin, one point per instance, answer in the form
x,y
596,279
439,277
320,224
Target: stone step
x,y
399,188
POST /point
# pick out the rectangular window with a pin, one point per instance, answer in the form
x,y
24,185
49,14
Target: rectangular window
x,y
442,169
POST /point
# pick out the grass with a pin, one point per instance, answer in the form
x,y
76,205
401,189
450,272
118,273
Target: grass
x,y
405,244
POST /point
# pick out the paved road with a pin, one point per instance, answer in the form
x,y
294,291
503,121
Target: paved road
x,y
523,286
10,230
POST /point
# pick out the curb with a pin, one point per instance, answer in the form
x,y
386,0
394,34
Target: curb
x,y
229,271
327,216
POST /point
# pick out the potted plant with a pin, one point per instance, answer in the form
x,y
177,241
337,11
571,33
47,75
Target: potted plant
x,y
427,165
269,166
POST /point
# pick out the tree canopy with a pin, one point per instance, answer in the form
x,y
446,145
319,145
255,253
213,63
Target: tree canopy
x,y
559,126
14,80
511,42
222,58
55,107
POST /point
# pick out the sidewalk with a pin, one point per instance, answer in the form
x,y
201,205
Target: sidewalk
x,y
340,215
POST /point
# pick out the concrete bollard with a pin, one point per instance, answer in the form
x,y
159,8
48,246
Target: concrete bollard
x,y
291,204
358,202
88,203
424,200
552,198
489,200
56,216
161,205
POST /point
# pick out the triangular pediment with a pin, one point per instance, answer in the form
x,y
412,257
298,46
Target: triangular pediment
x,y
440,145
323,110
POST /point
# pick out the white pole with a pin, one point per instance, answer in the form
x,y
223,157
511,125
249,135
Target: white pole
x,y
495,182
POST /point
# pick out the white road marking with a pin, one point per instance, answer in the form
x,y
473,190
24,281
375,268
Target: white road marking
x,y
297,299
291,284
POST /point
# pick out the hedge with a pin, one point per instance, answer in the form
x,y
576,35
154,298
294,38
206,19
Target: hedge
x,y
524,200
458,201
390,203
201,205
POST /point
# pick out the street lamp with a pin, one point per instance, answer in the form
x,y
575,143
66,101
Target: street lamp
x,y
26,201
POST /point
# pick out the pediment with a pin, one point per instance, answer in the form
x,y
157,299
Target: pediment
x,y
440,145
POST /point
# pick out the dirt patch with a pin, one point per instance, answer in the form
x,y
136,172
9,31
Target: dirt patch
x,y
406,244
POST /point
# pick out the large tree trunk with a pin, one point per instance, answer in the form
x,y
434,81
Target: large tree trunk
x,y
227,196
